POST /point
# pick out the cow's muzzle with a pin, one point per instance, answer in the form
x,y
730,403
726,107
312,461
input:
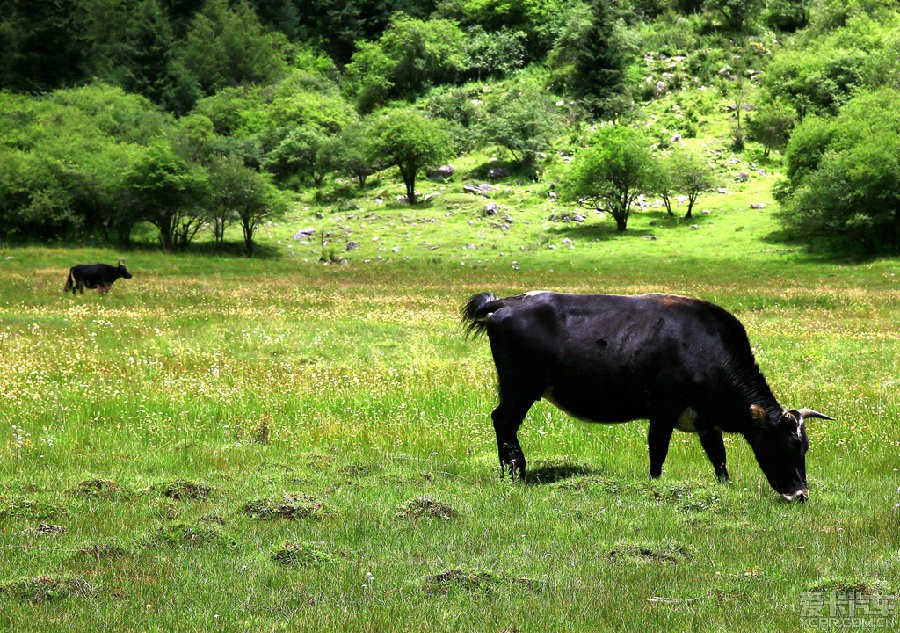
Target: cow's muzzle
x,y
800,496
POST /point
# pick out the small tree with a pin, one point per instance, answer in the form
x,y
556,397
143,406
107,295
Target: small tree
x,y
352,154
771,126
163,189
662,181
692,175
240,194
612,172
735,12
523,122
298,155
406,139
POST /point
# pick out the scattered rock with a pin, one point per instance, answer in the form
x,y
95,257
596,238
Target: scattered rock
x,y
497,172
352,246
491,208
481,190
650,237
442,173
48,529
694,227
304,234
742,176
757,205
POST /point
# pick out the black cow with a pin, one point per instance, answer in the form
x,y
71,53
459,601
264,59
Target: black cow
x,y
681,363
99,276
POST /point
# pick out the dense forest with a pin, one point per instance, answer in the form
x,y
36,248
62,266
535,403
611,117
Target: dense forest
x,y
196,115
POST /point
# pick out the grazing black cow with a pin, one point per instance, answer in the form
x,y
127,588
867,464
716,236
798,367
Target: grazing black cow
x,y
99,276
681,363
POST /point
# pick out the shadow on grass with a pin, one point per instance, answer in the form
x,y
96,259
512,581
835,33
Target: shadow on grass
x,y
822,249
605,228
553,473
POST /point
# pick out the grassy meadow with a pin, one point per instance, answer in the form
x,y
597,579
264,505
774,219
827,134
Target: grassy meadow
x,y
225,443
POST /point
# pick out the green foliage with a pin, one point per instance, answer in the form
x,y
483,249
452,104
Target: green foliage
x,y
493,54
238,194
771,125
787,15
407,140
680,172
163,189
590,56
538,21
824,67
612,172
521,119
227,46
735,13
844,174
351,153
41,49
410,56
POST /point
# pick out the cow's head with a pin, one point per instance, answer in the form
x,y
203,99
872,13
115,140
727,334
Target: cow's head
x,y
123,272
780,447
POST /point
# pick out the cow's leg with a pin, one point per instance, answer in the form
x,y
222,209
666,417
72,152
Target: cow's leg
x,y
79,286
715,450
507,418
658,438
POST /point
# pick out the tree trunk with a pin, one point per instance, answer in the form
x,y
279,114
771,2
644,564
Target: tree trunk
x,y
690,209
248,229
410,181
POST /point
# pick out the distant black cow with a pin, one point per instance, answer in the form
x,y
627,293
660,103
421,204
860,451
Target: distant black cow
x,y
681,363
99,276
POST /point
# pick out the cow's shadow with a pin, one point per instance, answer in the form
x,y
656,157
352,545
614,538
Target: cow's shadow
x,y
552,473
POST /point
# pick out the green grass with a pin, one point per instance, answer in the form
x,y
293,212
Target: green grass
x,y
273,443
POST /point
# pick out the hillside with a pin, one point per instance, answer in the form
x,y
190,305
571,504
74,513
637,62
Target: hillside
x,y
147,141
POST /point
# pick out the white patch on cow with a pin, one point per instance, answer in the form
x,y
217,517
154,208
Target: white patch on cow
x,y
532,293
687,421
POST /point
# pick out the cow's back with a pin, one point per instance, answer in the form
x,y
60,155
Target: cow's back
x,y
611,358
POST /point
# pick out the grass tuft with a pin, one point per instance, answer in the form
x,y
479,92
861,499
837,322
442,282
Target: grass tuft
x,y
178,534
670,553
291,506
183,489
48,589
304,554
29,509
474,581
96,488
851,585
426,508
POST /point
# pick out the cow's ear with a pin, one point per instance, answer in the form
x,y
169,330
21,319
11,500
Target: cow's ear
x,y
758,415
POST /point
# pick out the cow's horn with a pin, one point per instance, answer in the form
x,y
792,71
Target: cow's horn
x,y
809,413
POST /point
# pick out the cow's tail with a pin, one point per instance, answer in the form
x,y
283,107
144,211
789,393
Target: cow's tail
x,y
477,311
70,283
